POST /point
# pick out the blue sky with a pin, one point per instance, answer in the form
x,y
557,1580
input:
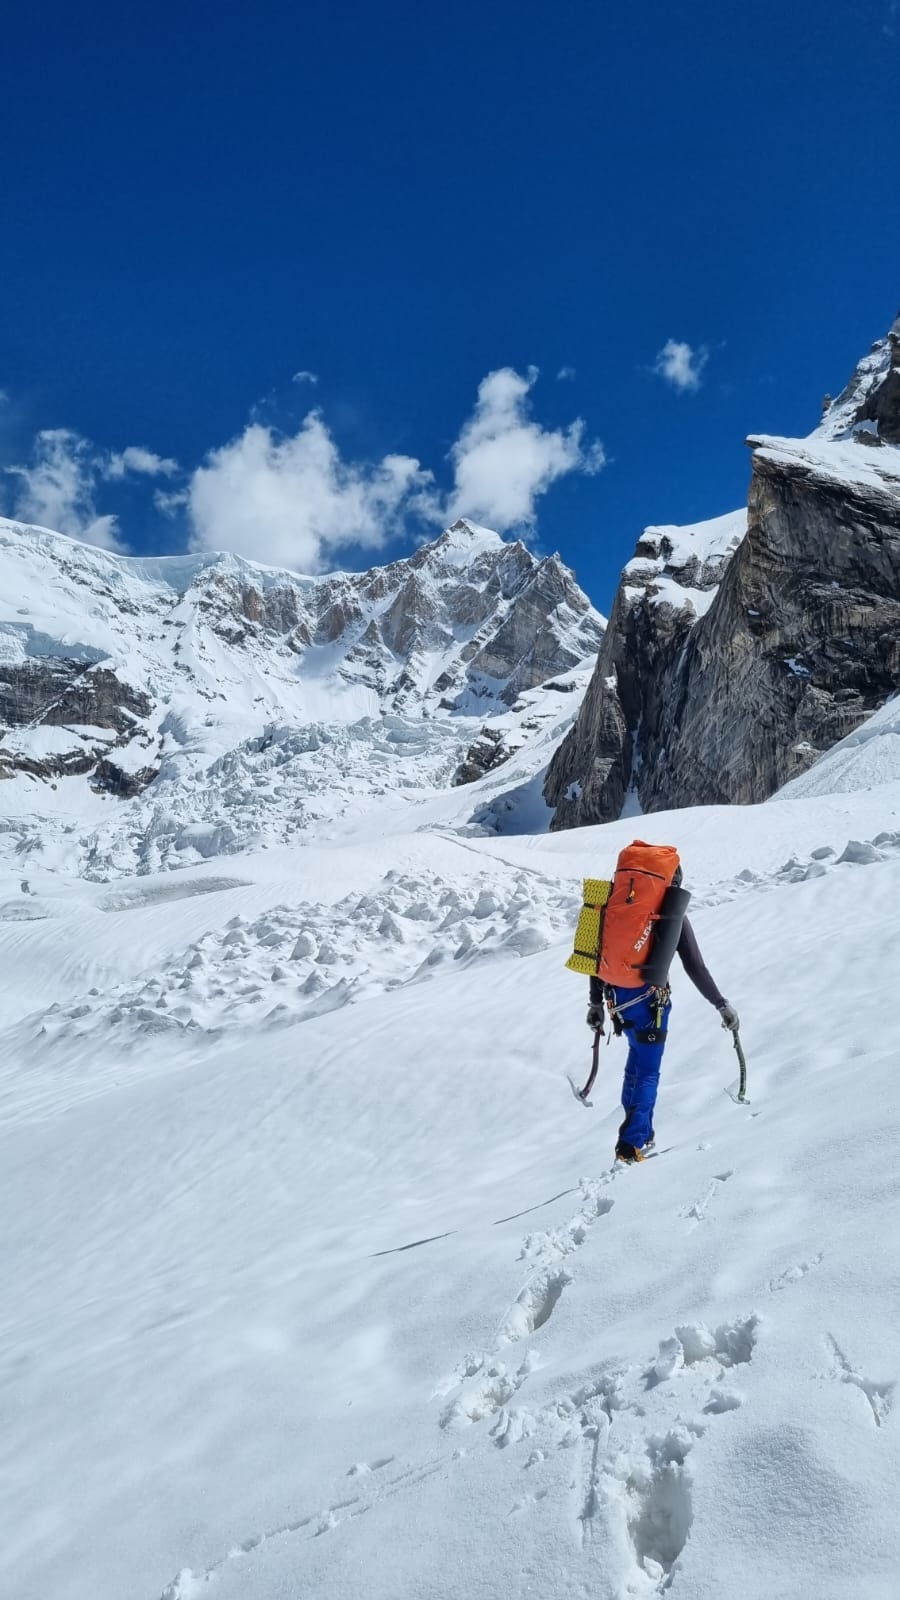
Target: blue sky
x,y
202,202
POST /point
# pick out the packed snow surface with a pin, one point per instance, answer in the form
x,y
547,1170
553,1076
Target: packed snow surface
x,y
321,1281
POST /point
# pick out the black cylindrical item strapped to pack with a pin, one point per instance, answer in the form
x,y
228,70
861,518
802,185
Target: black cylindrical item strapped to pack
x,y
666,934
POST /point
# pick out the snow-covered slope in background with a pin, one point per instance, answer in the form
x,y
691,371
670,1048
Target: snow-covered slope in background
x,y
155,713
868,757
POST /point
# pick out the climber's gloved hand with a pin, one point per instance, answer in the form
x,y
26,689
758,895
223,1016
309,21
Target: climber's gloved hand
x,y
730,1018
594,1018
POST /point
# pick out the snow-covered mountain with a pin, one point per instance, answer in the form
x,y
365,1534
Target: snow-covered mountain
x,y
154,712
741,649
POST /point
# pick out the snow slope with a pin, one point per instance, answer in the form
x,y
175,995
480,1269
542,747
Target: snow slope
x,y
839,461
868,757
324,1284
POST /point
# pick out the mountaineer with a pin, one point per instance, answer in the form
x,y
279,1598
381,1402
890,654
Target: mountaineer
x,y
642,926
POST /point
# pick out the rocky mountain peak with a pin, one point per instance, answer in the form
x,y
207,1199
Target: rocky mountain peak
x,y
868,409
739,650
164,674
460,544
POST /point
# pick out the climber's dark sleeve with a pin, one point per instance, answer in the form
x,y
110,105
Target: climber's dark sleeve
x,y
695,967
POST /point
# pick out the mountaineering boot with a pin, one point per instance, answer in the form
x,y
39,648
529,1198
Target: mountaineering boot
x,y
628,1153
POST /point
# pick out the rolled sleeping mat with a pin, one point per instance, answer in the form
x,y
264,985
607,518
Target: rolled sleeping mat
x,y
666,935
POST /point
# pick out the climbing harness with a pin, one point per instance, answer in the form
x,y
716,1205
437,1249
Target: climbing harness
x,y
662,996
656,1034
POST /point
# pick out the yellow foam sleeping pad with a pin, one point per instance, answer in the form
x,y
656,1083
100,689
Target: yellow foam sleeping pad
x,y
586,955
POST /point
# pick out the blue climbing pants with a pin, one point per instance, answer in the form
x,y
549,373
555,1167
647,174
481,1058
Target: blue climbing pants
x,y
645,1029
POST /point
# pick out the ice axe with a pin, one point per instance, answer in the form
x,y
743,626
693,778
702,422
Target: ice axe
x,y
582,1094
741,1096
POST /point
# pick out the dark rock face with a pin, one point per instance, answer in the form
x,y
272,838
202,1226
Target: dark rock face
x,y
275,609
801,641
801,644
405,623
528,647
338,618
55,692
110,779
488,751
884,406
623,721
71,763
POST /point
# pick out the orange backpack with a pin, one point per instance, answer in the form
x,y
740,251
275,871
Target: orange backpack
x,y
643,874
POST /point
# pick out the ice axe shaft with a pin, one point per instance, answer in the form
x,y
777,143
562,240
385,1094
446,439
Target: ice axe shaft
x,y
595,1058
742,1063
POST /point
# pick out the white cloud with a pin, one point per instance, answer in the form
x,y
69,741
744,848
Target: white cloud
x,y
305,377
134,458
564,374
503,460
681,365
57,489
170,501
294,501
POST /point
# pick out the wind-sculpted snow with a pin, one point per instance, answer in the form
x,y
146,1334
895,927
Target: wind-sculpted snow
x,y
302,961
801,868
298,963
